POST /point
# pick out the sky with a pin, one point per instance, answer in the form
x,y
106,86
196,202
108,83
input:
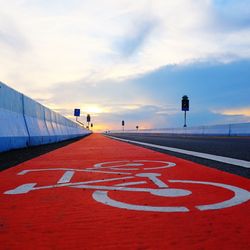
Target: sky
x,y
130,60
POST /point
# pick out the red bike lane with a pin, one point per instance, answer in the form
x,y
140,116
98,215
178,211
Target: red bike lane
x,y
99,193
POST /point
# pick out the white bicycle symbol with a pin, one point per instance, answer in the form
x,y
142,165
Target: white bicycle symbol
x,y
101,192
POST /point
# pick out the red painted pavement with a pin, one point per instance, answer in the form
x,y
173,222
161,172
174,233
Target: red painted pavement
x,y
70,217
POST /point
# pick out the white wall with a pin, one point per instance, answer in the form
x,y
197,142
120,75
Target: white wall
x,y
25,122
238,129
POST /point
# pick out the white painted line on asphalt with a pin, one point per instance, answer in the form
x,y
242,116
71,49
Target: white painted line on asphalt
x,y
232,161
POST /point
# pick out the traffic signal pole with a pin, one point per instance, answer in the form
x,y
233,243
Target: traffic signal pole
x,y
123,124
185,108
88,119
185,119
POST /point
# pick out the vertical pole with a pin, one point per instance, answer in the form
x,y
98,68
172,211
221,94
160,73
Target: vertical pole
x,y
185,119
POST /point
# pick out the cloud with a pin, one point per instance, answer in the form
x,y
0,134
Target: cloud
x,y
71,40
153,116
131,58
11,36
244,111
154,99
137,35
208,82
12,40
232,14
144,116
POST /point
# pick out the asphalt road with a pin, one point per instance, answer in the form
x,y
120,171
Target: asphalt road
x,y
233,147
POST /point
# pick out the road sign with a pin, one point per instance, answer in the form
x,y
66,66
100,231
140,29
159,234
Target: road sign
x,y
77,112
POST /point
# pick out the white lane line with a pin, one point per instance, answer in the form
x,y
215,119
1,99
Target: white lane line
x,y
232,161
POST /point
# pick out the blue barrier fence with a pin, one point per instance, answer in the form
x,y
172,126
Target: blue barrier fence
x,y
25,122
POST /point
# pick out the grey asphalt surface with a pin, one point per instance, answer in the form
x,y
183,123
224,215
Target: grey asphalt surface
x,y
14,157
233,147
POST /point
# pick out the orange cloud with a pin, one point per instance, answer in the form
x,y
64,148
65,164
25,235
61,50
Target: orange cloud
x,y
239,111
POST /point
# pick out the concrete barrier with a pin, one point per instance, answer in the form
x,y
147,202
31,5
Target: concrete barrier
x,y
237,129
25,122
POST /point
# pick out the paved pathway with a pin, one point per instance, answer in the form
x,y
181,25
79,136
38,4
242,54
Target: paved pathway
x,y
99,193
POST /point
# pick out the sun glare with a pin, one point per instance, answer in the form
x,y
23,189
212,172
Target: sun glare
x,y
92,109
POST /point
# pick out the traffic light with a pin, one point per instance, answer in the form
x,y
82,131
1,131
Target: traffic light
x,y
185,107
185,103
88,118
123,124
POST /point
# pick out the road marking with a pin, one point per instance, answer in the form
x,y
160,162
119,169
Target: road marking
x,y
25,188
131,183
232,161
154,179
101,192
66,177
127,164
240,196
70,169
102,197
192,197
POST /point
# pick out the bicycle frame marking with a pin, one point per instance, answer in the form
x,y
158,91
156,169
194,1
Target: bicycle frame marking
x,y
101,192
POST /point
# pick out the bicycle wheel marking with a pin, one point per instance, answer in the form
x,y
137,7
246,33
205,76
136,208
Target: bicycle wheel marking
x,y
101,192
131,165
102,197
240,195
